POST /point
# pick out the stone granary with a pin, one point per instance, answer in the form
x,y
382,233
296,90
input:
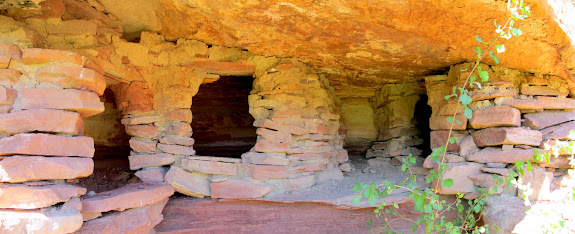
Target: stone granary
x,y
119,116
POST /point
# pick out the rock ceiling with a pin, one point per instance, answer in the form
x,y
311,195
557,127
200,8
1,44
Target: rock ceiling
x,y
362,44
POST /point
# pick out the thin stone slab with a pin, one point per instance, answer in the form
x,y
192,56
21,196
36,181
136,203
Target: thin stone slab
x,y
440,122
127,197
217,159
543,91
507,136
527,104
150,160
16,169
556,103
40,221
559,132
176,149
210,167
84,102
152,174
20,196
459,173
497,116
545,119
72,76
41,120
189,183
266,172
278,159
177,140
137,220
497,155
141,120
235,189
47,145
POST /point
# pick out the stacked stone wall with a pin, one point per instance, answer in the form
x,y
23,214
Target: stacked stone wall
x,y
514,114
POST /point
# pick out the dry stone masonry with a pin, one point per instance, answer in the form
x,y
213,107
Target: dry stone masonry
x,y
514,115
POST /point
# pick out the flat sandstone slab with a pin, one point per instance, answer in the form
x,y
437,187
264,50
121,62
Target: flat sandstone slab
x,y
507,136
72,76
235,189
38,221
41,120
28,168
497,116
545,119
84,102
47,145
497,155
20,196
127,197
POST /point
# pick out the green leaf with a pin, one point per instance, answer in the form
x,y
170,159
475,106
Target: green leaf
x,y
356,200
468,113
478,39
516,32
500,48
450,119
447,183
465,99
478,85
451,140
484,76
457,122
495,58
369,223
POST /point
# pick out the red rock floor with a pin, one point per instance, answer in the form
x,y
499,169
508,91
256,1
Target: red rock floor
x,y
194,215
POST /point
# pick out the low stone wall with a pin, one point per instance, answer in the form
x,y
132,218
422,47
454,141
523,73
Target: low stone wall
x,y
514,114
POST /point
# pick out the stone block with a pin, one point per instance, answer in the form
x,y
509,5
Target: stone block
x,y
533,80
439,138
83,102
72,76
276,125
497,155
397,132
265,172
20,196
301,182
179,129
341,156
40,221
275,136
459,173
127,197
497,116
143,145
39,56
47,145
263,145
10,50
215,159
138,220
278,159
210,167
4,61
545,119
177,140
177,149
28,168
543,91
143,131
310,156
309,166
133,98
235,189
507,136
189,183
499,171
556,103
150,160
7,95
152,174
74,27
225,68
9,77
467,146
559,132
495,93
183,115
141,120
439,122
449,158
487,181
41,120
527,104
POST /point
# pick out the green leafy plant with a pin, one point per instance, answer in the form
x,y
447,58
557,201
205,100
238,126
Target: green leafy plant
x,y
427,201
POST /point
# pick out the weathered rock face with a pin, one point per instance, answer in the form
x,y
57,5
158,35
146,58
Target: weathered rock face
x,y
375,42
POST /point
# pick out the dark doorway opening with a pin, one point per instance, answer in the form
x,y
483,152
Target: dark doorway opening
x,y
111,165
422,114
222,123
